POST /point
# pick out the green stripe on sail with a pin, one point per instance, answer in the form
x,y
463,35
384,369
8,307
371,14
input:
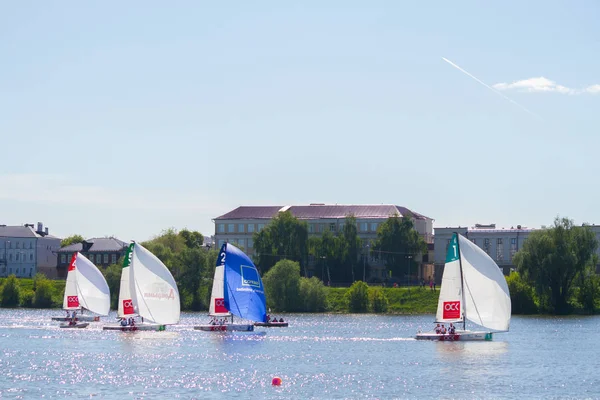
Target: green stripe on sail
x,y
452,253
128,255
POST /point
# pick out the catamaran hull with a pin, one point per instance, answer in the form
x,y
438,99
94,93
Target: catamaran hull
x,y
134,328
272,324
76,325
88,318
225,328
458,336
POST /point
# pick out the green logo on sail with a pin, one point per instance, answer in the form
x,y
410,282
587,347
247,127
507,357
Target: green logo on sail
x,y
452,253
128,255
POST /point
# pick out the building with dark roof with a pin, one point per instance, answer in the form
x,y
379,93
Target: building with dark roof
x,y
101,251
25,251
239,225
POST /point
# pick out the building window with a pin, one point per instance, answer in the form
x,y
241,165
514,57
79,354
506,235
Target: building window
x,y
342,227
17,257
10,245
63,258
221,228
18,245
230,228
113,258
332,227
311,228
17,272
363,226
240,242
250,243
373,226
30,256
486,245
250,228
31,245
105,258
513,247
499,250
261,227
10,257
221,243
240,227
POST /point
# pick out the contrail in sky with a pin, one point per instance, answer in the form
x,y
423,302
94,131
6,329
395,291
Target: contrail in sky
x,y
491,88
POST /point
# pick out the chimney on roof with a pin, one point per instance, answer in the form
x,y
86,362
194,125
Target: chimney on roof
x,y
40,227
46,231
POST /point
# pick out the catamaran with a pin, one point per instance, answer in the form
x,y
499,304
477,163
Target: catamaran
x,y
237,290
473,288
147,291
85,289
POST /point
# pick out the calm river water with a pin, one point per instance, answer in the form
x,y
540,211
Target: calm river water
x,y
318,356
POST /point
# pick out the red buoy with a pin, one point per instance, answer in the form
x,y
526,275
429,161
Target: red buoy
x,y
276,381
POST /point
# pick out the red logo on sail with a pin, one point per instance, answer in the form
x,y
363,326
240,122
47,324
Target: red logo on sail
x,y
220,306
127,306
72,301
72,264
451,310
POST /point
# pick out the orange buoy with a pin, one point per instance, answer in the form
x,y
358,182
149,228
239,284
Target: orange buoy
x,y
276,381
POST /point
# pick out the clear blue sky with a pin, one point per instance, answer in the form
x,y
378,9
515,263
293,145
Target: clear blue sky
x,y
132,117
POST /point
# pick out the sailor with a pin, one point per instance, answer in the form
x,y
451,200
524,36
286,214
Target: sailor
x,y
280,319
451,329
123,322
443,330
438,329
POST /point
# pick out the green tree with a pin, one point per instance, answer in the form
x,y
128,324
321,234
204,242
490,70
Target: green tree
x,y
521,295
399,244
11,292
378,300
44,291
112,274
551,259
351,247
285,237
282,286
71,240
357,297
313,295
193,239
588,292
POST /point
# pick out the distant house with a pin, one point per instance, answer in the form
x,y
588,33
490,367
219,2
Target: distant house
x,y
25,251
101,251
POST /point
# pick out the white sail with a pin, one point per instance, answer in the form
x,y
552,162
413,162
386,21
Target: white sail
x,y
450,302
217,296
486,291
156,295
92,288
70,299
126,304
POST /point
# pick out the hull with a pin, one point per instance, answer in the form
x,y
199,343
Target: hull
x,y
88,318
137,327
225,328
458,336
76,325
272,324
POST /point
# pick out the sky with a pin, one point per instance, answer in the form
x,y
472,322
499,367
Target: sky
x,y
129,118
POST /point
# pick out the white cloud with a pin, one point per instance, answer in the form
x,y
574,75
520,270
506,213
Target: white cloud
x,y
541,84
48,188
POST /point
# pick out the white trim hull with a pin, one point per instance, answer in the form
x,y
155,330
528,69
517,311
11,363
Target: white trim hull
x,y
76,325
225,328
143,326
458,336
272,324
87,318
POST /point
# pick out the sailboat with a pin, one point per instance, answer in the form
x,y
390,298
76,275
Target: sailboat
x,y
473,288
147,291
85,289
237,290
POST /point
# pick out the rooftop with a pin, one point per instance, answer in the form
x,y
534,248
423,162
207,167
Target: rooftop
x,y
321,211
23,231
95,245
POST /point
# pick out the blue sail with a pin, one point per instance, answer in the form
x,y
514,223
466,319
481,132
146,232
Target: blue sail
x,y
244,290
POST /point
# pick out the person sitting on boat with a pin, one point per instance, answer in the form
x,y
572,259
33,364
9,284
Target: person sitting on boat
x,y
280,319
438,329
123,322
451,329
132,321
268,318
443,330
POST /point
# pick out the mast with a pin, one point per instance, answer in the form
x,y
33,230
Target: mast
x,y
462,284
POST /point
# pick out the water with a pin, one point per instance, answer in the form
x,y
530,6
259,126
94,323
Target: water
x,y
318,356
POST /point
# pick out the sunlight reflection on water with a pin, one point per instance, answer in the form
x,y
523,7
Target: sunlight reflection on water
x,y
318,356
